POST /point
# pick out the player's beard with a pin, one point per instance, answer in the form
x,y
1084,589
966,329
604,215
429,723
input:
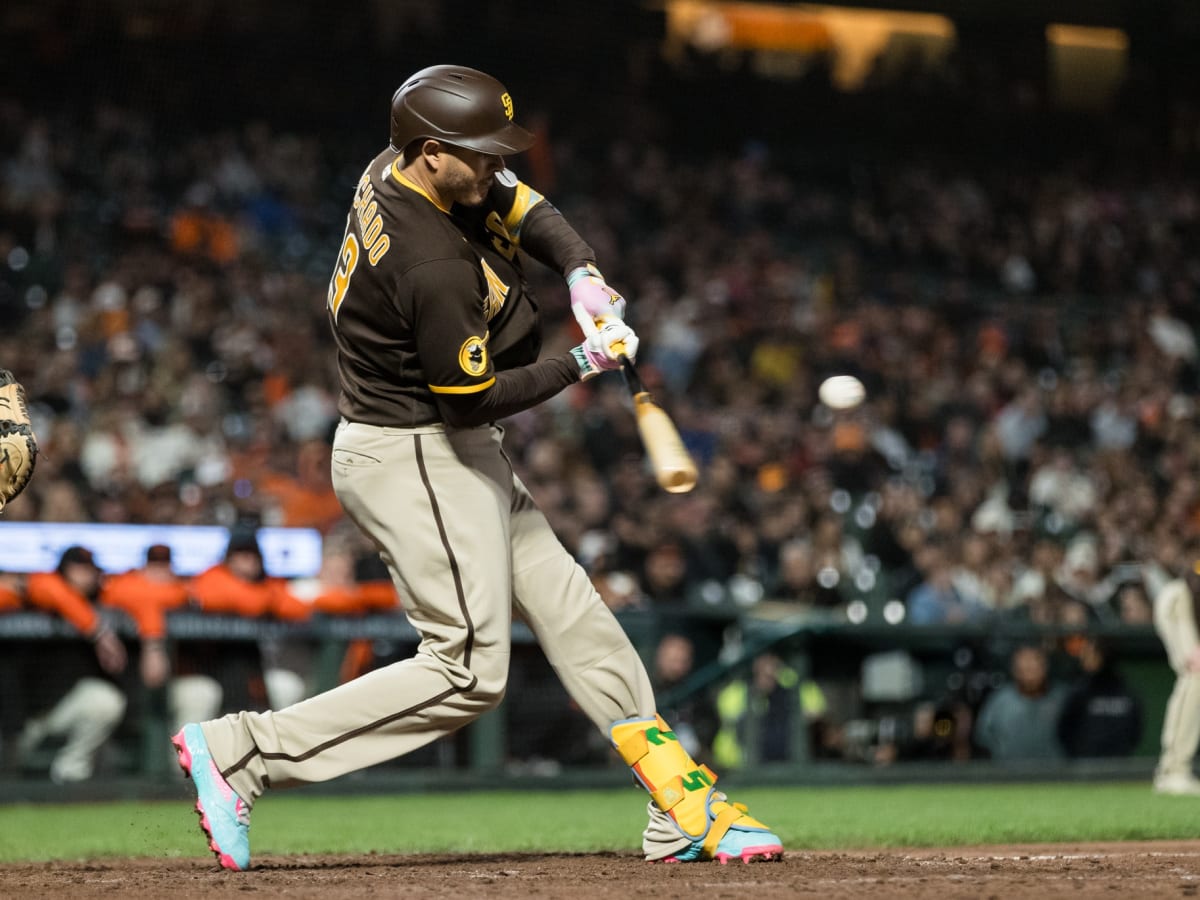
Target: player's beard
x,y
467,188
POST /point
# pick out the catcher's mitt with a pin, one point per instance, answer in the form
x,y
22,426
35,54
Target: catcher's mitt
x,y
18,444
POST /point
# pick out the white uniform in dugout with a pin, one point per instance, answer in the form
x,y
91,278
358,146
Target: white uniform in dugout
x,y
1175,622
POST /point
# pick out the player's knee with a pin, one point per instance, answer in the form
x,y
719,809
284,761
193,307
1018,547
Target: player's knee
x,y
104,701
490,681
495,697
488,693
193,698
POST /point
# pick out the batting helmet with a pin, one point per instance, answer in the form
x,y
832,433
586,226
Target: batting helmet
x,y
460,106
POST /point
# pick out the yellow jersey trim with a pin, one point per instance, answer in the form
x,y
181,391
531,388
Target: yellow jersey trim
x,y
412,186
467,389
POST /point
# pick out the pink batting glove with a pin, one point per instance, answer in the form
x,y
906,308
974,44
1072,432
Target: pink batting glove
x,y
592,295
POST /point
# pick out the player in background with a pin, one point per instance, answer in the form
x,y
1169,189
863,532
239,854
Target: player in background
x,y
239,585
437,339
1175,620
83,679
147,594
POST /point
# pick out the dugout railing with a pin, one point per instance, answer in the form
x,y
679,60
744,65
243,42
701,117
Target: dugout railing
x,y
825,648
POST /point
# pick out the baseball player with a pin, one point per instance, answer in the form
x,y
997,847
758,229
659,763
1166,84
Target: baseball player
x,y
438,338
1175,620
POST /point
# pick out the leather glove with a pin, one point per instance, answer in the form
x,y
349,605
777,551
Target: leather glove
x,y
592,295
607,341
18,444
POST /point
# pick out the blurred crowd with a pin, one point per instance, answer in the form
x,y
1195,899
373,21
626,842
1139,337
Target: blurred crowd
x,y
1043,700
1028,448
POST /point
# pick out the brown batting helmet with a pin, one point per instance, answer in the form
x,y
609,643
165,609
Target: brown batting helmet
x,y
460,106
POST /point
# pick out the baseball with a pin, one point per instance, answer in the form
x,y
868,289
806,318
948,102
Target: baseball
x,y
841,392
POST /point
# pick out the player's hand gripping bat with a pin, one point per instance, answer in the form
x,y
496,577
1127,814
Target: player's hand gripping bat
x,y
674,468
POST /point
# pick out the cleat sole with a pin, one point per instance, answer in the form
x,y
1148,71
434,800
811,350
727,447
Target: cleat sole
x,y
769,853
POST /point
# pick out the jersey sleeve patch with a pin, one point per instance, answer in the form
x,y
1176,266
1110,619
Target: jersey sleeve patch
x,y
473,361
473,356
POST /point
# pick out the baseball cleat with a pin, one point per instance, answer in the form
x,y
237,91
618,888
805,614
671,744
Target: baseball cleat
x,y
224,816
686,794
746,845
1182,784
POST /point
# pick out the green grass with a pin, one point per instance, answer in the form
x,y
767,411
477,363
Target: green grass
x,y
583,821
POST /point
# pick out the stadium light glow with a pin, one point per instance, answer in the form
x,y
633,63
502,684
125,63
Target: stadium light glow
x,y
855,39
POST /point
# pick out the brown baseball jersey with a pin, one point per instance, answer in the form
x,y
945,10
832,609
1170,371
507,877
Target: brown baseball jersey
x,y
429,306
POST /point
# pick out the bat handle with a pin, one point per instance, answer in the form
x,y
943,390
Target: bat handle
x,y
629,372
590,326
587,324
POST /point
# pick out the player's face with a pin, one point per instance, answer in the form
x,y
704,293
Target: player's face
x,y
84,577
466,176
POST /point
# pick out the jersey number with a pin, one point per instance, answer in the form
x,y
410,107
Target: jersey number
x,y
347,262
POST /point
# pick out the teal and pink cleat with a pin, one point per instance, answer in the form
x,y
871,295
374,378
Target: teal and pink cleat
x,y
744,843
224,816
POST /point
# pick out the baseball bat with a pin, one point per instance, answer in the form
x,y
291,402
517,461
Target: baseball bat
x,y
673,467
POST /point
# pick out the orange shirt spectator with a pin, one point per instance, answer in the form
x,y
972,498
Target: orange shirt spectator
x,y
68,592
147,594
334,590
240,586
65,591
378,596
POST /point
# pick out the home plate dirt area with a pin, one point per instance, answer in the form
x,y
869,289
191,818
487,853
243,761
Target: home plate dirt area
x,y
1141,869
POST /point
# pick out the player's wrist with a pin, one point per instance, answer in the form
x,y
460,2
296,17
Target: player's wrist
x,y
588,270
583,362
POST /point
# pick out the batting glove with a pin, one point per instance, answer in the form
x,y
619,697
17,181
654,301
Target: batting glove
x,y
606,343
592,295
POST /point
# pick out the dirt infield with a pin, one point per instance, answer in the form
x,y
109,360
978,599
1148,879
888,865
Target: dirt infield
x,y
1078,871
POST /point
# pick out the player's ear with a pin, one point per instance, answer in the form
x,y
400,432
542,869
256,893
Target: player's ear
x,y
421,148
431,150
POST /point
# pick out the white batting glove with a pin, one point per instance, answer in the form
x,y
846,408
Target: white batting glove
x,y
591,294
607,341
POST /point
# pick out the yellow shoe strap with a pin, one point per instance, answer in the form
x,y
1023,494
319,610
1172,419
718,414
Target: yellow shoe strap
x,y
719,826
